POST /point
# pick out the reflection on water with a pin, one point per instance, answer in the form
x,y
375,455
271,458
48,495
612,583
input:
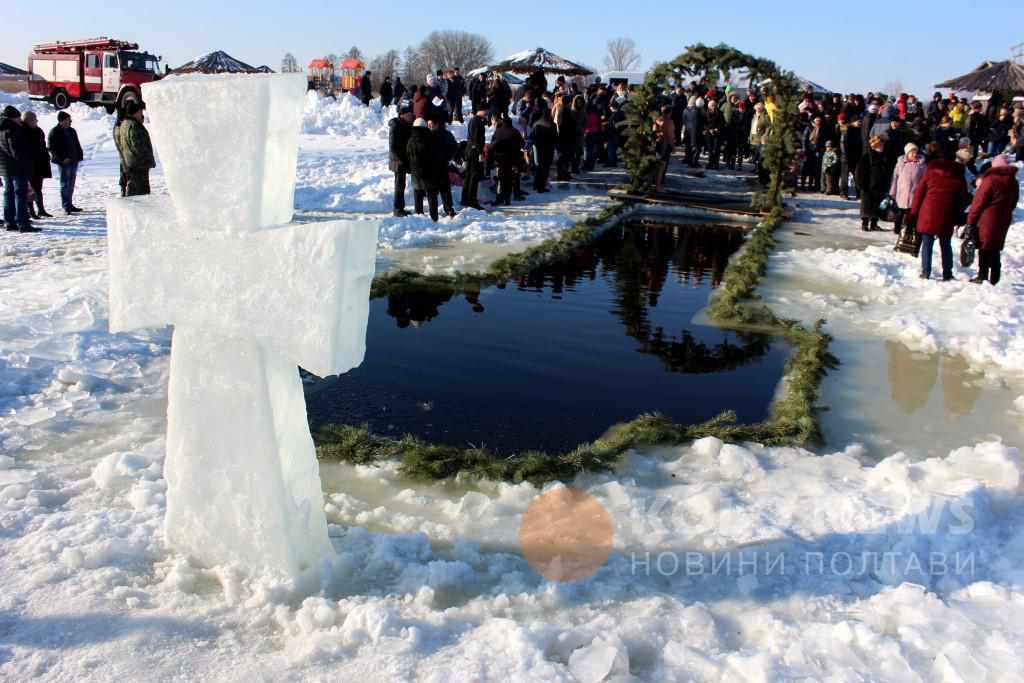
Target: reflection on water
x,y
554,358
912,379
893,399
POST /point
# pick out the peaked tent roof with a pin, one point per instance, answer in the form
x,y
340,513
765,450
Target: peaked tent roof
x,y
264,69
529,61
8,70
218,62
989,77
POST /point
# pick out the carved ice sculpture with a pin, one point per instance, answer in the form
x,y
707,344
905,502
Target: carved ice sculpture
x,y
250,298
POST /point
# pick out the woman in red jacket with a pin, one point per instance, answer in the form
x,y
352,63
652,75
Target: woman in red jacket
x,y
991,211
939,203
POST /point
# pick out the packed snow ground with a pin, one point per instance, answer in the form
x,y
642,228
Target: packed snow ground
x,y
731,562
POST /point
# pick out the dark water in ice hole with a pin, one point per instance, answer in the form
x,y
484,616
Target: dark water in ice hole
x,y
554,359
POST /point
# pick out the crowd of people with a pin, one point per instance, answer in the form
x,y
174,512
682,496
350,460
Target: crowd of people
x,y
27,157
569,127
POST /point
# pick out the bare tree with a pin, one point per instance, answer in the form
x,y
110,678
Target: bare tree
x,y
355,53
894,88
385,65
414,66
455,49
289,65
622,55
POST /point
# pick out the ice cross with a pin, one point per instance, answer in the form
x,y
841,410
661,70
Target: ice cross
x,y
250,298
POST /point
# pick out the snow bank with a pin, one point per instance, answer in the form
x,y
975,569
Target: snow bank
x,y
345,117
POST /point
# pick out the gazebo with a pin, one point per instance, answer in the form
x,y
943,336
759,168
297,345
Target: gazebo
x,y
539,59
990,77
218,62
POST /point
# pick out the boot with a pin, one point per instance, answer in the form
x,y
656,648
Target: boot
x,y
994,274
864,225
32,213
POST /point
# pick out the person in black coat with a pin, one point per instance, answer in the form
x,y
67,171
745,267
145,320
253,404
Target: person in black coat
x,y
386,92
475,138
507,147
678,104
399,130
456,91
399,90
40,163
544,138
873,179
445,150
714,133
850,153
478,92
422,165
366,89
947,139
693,121
566,124
15,169
66,152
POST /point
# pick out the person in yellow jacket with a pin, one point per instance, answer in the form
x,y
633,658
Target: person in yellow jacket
x,y
770,107
959,115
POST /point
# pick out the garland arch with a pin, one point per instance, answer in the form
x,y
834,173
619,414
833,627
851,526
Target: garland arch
x,y
699,59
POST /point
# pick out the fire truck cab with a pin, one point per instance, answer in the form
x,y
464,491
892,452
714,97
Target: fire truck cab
x,y
98,72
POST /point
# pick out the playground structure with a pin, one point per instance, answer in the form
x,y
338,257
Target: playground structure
x,y
330,79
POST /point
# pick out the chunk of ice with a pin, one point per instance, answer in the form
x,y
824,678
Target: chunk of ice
x,y
230,161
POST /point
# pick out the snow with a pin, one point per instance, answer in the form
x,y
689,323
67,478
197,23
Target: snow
x,y
730,561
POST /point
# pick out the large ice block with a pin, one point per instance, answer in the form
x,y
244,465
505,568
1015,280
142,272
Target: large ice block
x,y
242,480
228,145
299,290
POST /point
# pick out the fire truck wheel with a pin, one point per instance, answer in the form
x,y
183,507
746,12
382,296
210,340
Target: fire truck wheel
x,y
60,99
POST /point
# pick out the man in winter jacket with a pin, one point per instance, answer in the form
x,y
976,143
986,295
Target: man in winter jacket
x,y
66,152
40,163
456,91
478,92
991,212
693,121
366,89
399,130
15,169
445,150
977,128
386,92
543,139
938,207
422,166
136,150
999,133
399,90
475,137
507,147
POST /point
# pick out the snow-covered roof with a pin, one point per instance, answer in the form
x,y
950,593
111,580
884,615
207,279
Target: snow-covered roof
x,y
218,62
529,61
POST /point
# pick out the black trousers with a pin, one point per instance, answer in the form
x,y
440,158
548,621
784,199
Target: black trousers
x,y
37,186
540,177
471,183
990,265
564,163
445,188
431,197
506,182
399,202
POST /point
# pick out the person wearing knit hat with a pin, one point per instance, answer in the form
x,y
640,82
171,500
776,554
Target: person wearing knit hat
x,y
15,169
906,176
137,157
991,212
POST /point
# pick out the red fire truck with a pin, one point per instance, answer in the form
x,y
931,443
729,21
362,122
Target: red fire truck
x,y
99,72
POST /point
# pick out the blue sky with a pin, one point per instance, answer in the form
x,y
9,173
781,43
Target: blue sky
x,y
844,46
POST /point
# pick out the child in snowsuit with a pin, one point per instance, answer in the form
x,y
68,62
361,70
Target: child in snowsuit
x,y
829,170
